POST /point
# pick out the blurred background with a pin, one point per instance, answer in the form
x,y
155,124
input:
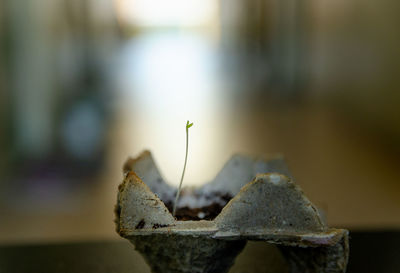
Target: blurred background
x,y
85,84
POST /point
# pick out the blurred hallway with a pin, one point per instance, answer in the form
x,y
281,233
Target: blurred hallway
x,y
86,84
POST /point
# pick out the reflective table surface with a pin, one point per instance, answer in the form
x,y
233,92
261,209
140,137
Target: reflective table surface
x,y
373,251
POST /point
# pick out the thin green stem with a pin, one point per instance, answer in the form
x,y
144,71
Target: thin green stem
x,y
184,168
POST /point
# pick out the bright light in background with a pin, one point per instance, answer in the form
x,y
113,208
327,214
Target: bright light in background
x,y
173,72
183,13
167,77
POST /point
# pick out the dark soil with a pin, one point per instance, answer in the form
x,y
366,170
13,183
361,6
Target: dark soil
x,y
210,212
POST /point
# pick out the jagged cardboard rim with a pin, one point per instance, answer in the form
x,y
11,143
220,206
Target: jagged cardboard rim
x,y
140,212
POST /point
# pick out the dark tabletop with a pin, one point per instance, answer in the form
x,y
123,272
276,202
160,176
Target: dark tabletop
x,y
369,252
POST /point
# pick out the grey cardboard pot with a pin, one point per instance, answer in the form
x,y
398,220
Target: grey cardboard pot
x,y
266,206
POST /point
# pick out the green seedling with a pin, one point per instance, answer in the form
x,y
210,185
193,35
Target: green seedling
x,y
188,125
